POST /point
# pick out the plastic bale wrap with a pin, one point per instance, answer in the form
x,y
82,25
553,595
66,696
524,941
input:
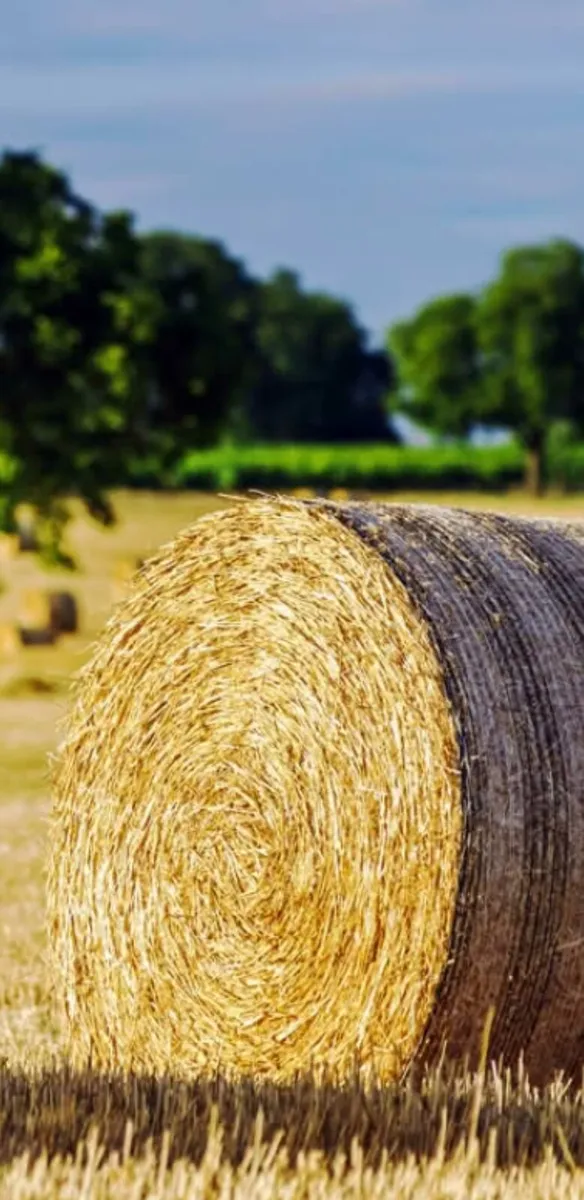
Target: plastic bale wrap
x,y
320,800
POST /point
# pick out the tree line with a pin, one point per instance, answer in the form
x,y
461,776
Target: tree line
x,y
115,344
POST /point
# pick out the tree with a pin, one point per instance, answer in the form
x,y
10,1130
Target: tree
x,y
74,322
203,359
438,379
318,381
530,324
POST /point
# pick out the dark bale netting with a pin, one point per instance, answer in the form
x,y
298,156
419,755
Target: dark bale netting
x,y
504,601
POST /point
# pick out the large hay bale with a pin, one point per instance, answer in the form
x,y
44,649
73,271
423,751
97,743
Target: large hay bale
x,y
322,798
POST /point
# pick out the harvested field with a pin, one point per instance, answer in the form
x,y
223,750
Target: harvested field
x,y
109,1137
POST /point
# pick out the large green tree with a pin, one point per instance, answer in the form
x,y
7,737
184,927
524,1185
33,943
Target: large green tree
x,y
318,381
530,326
438,371
512,357
203,357
75,322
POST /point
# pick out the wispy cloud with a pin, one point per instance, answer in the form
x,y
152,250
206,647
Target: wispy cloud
x,y
150,87
192,16
410,24
85,16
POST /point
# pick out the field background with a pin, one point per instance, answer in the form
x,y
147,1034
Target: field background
x,y
34,696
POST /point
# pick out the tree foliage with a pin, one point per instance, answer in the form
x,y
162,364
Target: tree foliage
x,y
116,347
512,356
73,323
438,380
203,359
530,324
317,380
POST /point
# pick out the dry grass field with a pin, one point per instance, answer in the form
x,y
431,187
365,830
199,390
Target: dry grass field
x,y
80,1136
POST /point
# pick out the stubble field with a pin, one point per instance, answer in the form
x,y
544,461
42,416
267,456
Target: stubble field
x,y
62,1135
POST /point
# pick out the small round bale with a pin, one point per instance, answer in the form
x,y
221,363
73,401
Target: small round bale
x,y
10,641
64,612
34,618
321,799
44,615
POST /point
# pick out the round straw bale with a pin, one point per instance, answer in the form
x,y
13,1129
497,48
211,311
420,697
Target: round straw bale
x,y
339,495
321,798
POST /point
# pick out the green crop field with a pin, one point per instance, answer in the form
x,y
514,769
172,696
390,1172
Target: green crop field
x,y
63,1135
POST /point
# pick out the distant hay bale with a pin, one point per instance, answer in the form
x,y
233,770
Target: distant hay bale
x,y
10,642
26,521
9,547
37,637
34,618
64,612
44,615
321,798
24,539
339,495
27,540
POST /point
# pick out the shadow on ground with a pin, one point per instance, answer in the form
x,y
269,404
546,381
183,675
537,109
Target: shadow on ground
x,y
53,1111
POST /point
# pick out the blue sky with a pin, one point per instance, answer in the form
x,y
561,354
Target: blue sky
x,y
387,149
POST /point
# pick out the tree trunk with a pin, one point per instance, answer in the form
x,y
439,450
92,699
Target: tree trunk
x,y
535,465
